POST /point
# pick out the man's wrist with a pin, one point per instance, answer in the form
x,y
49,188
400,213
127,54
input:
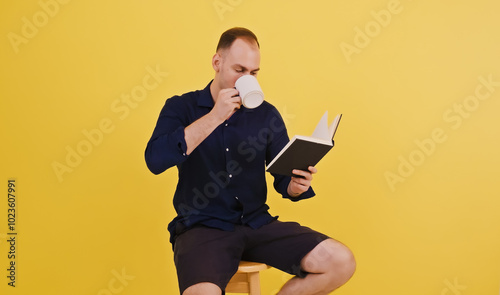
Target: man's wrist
x,y
292,194
212,120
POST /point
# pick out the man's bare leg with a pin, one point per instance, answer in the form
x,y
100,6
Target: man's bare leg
x,y
203,289
330,265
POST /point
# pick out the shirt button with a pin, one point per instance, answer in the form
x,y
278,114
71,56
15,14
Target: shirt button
x,y
227,149
225,124
230,175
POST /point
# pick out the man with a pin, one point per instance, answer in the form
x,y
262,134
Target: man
x,y
220,149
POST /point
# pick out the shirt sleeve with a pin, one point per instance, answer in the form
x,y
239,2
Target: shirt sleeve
x,y
167,146
281,185
277,141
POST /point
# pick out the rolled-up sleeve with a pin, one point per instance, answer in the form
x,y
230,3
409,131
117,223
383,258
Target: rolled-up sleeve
x,y
167,146
281,185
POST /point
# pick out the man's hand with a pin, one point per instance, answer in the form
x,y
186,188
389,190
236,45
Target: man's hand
x,y
226,103
299,185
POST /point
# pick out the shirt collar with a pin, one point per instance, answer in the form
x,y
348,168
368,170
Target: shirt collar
x,y
205,99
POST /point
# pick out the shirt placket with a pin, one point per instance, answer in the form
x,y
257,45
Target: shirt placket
x,y
228,158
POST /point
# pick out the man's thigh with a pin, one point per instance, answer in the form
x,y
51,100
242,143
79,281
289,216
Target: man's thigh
x,y
282,245
204,254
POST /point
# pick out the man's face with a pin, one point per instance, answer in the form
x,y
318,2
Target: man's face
x,y
242,58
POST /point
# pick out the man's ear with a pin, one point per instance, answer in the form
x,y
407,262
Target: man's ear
x,y
216,62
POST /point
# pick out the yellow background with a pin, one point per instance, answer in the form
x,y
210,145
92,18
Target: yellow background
x,y
434,231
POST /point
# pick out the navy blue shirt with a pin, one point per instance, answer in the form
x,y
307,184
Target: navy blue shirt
x,y
222,182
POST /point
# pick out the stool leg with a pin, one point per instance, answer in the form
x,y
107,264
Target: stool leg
x,y
254,283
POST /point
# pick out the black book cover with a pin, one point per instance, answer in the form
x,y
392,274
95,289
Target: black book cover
x,y
300,154
304,151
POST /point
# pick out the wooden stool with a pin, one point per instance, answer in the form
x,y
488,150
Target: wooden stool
x,y
246,279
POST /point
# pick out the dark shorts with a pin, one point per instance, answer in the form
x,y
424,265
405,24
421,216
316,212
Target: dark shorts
x,y
204,254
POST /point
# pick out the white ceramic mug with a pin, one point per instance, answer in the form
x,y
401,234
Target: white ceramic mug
x,y
250,92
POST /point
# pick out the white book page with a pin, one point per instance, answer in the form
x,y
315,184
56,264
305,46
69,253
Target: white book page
x,y
321,130
333,127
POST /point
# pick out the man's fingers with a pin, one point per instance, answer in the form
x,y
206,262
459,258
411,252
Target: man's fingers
x,y
300,181
235,99
307,175
313,169
230,96
229,92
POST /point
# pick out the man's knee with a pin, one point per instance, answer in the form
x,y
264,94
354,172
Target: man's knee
x,y
341,259
330,256
203,289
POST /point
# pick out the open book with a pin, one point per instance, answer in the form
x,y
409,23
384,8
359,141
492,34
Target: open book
x,y
304,151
